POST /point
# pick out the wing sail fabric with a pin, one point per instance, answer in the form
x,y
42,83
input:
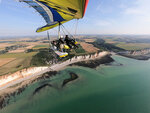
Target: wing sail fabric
x,y
58,11
49,26
38,8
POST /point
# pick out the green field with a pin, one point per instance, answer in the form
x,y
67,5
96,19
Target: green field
x,y
21,61
128,46
40,46
80,50
25,60
12,62
133,46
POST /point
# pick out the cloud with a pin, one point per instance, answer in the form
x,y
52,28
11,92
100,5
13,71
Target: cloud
x,y
103,23
139,12
99,6
122,6
133,11
140,7
104,8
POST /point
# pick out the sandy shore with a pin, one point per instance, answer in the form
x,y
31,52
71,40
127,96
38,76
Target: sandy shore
x,y
24,75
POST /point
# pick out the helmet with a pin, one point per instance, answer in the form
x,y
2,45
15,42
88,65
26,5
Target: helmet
x,y
61,36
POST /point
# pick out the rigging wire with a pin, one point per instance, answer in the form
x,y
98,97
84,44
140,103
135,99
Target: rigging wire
x,y
67,31
63,31
72,26
49,39
59,30
76,28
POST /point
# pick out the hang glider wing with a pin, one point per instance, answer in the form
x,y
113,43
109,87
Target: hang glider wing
x,y
58,11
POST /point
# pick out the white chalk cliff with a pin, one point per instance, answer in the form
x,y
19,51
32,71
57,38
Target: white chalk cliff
x,y
25,74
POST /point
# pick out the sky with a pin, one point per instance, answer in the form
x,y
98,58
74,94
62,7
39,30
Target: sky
x,y
102,17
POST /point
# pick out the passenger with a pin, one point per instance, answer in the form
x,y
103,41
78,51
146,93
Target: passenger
x,y
70,42
61,40
67,40
59,44
73,42
54,44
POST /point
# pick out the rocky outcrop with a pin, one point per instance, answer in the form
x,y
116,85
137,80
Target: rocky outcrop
x,y
139,54
94,63
73,77
19,88
89,57
37,90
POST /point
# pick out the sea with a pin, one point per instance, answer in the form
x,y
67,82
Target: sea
x,y
120,87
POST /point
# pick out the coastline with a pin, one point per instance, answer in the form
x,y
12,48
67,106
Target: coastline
x,y
138,55
17,86
94,63
141,57
26,74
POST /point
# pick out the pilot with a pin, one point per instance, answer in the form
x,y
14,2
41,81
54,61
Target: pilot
x,y
70,42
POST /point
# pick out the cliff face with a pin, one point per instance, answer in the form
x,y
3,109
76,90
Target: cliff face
x,y
45,72
139,54
12,79
20,74
89,57
94,60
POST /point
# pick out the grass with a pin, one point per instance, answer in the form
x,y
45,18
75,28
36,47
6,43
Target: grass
x,y
40,46
128,46
89,47
133,46
4,61
41,58
22,60
110,41
89,40
25,60
80,50
17,55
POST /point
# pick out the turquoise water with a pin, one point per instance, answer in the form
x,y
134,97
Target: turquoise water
x,y
108,89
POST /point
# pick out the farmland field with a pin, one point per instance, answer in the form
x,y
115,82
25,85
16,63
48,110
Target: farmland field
x,y
128,46
133,46
13,62
3,45
88,47
17,59
40,46
17,51
89,40
4,61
